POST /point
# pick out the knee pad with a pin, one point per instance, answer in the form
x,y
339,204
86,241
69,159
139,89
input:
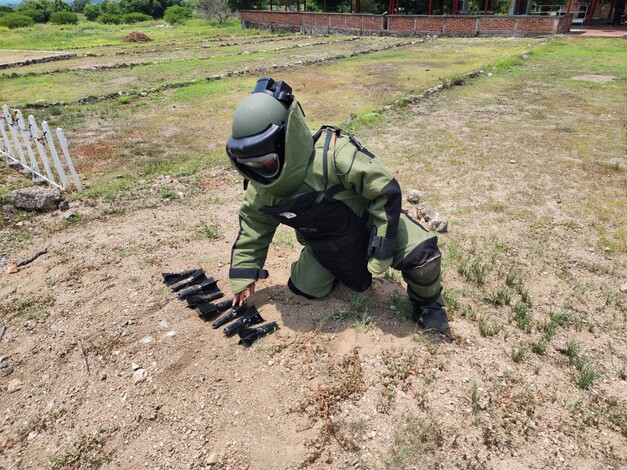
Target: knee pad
x,y
422,265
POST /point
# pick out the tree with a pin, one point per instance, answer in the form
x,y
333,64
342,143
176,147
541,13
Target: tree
x,y
237,5
92,11
177,14
60,5
214,9
79,5
43,6
64,17
154,8
15,20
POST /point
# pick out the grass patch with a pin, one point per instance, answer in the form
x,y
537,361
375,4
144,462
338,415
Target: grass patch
x,y
489,327
35,307
86,451
346,383
414,439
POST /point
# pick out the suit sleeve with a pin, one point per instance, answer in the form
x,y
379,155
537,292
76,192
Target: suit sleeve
x,y
373,181
250,249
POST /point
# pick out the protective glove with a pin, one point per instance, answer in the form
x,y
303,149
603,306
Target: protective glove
x,y
377,266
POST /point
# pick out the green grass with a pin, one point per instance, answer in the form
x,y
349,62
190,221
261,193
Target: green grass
x,y
35,307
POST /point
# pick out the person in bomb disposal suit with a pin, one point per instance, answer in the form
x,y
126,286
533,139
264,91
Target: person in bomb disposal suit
x,y
344,205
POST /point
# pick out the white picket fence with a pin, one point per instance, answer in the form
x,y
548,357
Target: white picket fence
x,y
17,140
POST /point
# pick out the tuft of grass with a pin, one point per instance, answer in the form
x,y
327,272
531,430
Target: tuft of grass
x,y
523,316
34,307
475,396
499,296
489,327
618,417
473,270
165,192
414,439
519,352
622,372
401,306
573,348
587,373
86,451
398,368
539,347
209,230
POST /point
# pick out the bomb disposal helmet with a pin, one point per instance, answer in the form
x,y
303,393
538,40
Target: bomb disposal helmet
x,y
256,146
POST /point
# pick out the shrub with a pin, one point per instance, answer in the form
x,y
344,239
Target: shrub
x,y
177,14
64,17
5,9
131,18
107,18
91,11
38,16
15,20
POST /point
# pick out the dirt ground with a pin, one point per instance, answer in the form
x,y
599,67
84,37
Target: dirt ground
x,y
103,367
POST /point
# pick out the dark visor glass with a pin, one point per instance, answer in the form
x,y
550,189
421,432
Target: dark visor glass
x,y
266,142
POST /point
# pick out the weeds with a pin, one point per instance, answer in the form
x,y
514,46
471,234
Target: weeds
x,y
401,306
475,396
473,270
414,439
346,384
35,307
165,192
398,368
500,296
587,374
573,348
86,451
519,351
539,347
358,314
522,316
210,231
489,327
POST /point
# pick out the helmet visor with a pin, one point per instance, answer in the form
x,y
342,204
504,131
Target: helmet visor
x,y
266,165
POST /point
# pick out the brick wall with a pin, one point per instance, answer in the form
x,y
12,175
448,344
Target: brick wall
x,y
460,25
307,22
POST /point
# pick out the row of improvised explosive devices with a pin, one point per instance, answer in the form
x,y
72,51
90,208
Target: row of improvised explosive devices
x,y
200,291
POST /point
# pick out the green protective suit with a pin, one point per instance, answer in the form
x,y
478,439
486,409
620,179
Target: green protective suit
x,y
353,177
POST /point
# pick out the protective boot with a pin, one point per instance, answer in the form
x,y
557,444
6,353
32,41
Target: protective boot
x,y
431,317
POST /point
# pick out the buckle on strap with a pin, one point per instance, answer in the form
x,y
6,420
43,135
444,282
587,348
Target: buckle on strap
x,y
248,273
382,247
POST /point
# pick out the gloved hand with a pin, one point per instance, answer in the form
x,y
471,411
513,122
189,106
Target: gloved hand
x,y
377,266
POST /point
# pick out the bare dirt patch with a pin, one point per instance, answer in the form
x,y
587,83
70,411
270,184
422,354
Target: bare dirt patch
x,y
595,78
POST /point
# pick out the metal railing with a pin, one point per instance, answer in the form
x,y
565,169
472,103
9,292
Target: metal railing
x,y
23,145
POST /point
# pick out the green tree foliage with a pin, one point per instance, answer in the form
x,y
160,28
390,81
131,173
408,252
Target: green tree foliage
x,y
92,11
177,14
6,9
43,6
237,5
108,18
38,16
15,20
60,5
131,18
64,17
154,8
79,5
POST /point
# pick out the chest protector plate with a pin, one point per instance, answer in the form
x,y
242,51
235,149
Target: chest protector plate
x,y
336,235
